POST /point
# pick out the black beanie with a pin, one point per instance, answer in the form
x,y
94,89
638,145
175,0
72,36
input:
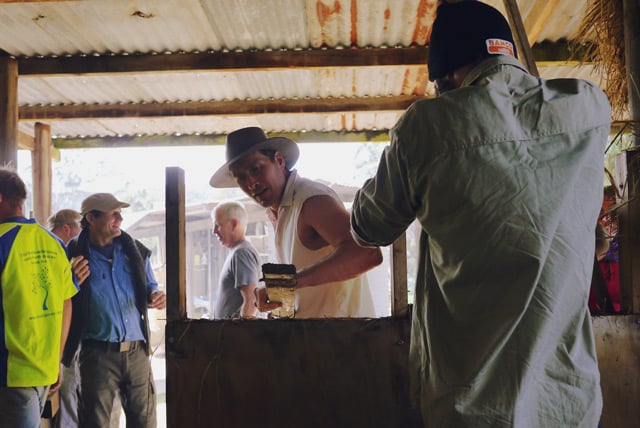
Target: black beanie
x,y
464,32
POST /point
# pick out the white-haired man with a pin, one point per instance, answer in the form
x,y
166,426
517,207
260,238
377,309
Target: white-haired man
x,y
65,224
239,275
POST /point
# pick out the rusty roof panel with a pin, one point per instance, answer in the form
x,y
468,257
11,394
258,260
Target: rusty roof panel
x,y
120,127
120,26
145,26
220,86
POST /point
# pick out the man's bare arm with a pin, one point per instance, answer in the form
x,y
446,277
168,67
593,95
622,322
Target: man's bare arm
x,y
66,323
325,221
248,308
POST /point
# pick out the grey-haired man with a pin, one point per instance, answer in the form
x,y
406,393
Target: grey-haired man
x,y
65,224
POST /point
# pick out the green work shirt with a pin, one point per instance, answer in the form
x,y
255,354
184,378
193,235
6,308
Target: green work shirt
x,y
505,176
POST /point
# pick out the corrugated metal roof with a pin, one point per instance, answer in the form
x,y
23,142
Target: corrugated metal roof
x,y
223,85
122,26
97,28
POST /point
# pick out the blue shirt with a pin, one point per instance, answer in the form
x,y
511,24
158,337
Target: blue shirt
x,y
113,315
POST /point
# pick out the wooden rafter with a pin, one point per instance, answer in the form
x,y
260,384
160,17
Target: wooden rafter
x,y
380,136
246,60
525,53
25,141
224,61
538,17
312,105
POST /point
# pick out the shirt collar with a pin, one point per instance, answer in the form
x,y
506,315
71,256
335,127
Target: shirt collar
x,y
488,67
22,220
287,195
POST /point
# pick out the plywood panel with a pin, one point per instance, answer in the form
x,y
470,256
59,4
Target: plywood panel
x,y
618,347
286,373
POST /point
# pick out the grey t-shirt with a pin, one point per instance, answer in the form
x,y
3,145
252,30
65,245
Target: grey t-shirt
x,y
242,267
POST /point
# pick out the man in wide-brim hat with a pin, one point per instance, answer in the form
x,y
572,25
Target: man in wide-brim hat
x,y
311,224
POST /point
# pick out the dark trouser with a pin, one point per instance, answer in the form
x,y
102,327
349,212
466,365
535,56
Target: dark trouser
x,y
104,372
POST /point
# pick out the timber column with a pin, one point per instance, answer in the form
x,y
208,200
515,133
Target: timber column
x,y
8,110
631,12
628,169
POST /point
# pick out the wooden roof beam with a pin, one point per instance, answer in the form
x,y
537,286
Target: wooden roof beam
x,y
380,136
538,17
244,60
248,60
25,141
209,108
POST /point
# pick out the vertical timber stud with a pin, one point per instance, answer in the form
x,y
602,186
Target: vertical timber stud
x,y
525,53
8,111
175,244
629,164
631,12
628,172
399,297
41,162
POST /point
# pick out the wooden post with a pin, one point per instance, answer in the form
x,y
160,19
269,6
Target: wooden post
x,y
8,111
628,172
399,297
175,271
175,244
525,54
631,11
41,164
628,169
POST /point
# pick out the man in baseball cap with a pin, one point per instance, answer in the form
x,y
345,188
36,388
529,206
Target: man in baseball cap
x,y
110,317
464,34
101,202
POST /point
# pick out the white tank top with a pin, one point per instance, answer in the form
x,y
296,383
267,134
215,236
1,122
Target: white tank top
x,y
345,299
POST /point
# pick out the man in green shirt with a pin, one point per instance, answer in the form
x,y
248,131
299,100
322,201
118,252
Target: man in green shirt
x,y
504,173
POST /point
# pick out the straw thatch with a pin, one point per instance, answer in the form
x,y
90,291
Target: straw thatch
x,y
600,40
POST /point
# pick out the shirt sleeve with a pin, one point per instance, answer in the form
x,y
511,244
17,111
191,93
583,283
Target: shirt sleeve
x,y
385,206
152,284
247,267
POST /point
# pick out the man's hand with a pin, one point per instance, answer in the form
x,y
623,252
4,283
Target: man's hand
x,y
262,302
80,268
58,383
157,300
